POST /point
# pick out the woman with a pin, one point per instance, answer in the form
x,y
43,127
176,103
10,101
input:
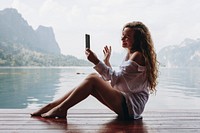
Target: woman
x,y
128,91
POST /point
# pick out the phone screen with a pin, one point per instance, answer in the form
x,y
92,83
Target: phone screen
x,y
87,40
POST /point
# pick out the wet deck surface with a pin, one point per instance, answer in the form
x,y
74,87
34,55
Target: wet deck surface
x,y
101,121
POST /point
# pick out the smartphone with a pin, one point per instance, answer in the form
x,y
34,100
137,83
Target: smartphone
x,y
87,40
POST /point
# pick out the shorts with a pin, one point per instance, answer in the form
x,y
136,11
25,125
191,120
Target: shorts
x,y
126,115
125,109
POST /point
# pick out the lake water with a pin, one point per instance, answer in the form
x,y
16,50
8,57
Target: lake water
x,y
178,88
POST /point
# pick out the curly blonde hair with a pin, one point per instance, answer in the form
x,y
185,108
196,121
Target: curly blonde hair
x,y
143,43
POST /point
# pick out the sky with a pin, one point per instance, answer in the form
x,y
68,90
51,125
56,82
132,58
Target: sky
x,y
169,21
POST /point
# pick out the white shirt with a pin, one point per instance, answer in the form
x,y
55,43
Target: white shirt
x,y
131,80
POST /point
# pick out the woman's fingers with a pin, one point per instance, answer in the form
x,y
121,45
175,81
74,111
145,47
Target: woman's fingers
x,y
107,50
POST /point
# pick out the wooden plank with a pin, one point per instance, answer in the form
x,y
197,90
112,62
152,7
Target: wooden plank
x,y
105,131
19,120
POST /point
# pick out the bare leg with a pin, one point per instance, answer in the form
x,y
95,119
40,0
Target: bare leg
x,y
51,105
96,86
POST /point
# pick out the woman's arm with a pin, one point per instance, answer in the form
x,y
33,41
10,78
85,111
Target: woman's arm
x,y
104,70
91,56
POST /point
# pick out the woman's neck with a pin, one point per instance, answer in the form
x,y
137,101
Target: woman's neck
x,y
129,53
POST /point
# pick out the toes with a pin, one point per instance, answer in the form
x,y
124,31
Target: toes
x,y
45,115
35,114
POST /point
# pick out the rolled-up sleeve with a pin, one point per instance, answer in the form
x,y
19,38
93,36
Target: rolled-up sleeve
x,y
107,73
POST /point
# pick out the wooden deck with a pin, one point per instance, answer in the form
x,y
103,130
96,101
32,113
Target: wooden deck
x,y
101,121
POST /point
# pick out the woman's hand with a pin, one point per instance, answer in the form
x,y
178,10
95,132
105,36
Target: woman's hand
x,y
107,53
91,56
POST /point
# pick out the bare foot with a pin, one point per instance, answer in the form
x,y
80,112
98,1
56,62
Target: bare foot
x,y
55,113
42,110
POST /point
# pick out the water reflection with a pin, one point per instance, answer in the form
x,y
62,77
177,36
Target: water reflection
x,y
117,125
114,125
21,87
178,88
185,80
34,87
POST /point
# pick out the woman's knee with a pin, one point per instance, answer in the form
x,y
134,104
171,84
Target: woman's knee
x,y
92,77
95,80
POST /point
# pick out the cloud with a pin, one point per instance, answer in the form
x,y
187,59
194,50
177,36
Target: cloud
x,y
49,7
170,21
28,11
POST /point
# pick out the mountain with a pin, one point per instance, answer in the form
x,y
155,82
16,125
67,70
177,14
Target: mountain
x,y
12,54
47,39
186,54
14,29
20,45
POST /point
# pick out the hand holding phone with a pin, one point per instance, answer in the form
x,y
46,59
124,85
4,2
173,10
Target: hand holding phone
x,y
87,41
